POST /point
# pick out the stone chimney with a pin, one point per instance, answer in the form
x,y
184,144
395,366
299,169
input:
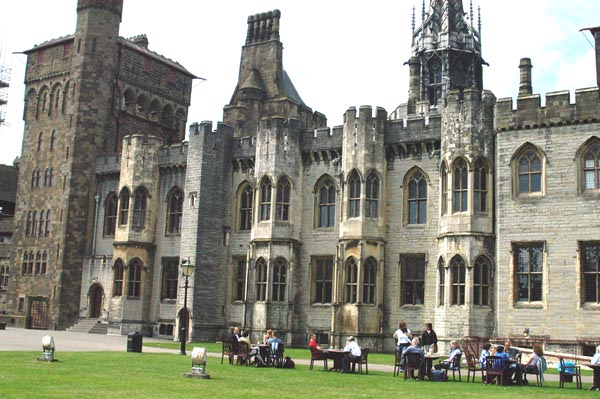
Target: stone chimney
x,y
140,40
525,74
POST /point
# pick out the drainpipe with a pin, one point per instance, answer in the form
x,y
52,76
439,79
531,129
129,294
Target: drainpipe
x,y
97,198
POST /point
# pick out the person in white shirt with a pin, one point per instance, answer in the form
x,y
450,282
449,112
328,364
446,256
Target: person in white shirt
x,y
353,357
596,358
403,337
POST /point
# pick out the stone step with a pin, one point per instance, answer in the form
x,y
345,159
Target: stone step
x,y
91,326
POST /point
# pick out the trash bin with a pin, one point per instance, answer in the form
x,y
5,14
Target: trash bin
x,y
134,342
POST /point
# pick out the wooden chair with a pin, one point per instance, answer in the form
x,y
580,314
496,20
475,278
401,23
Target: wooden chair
x,y
412,361
230,349
494,369
473,366
533,367
568,373
364,359
397,365
454,368
276,355
243,353
318,355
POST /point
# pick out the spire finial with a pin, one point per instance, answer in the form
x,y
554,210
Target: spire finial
x,y
471,14
423,12
479,20
413,26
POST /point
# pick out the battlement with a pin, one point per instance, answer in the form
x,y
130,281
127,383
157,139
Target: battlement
x,y
321,139
114,6
365,113
558,110
263,27
415,128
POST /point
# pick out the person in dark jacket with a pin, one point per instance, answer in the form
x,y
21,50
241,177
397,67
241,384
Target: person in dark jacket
x,y
429,339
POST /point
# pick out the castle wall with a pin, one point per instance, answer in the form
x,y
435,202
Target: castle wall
x,y
555,217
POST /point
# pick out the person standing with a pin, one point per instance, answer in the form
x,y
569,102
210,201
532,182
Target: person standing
x,y
429,339
402,336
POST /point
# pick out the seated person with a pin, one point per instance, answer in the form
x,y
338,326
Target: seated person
x,y
268,334
273,342
315,350
536,364
485,352
235,334
354,356
506,366
513,354
274,345
414,348
449,364
596,358
245,340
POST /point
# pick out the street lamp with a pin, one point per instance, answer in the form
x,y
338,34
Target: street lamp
x,y
187,268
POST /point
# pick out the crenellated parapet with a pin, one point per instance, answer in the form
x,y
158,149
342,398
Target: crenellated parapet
x,y
529,113
115,6
321,145
263,27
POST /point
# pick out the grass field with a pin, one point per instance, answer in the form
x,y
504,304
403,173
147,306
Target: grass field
x,y
161,375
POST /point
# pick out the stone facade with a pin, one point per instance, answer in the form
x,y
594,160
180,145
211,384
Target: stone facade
x,y
453,209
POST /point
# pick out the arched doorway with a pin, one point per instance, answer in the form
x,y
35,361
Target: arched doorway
x,y
96,296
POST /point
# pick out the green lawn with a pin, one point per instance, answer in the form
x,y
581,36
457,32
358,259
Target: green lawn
x,y
161,375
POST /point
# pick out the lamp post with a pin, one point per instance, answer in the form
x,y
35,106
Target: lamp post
x,y
187,268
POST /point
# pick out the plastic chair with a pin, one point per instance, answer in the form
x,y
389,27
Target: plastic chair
x,y
494,369
412,361
568,372
318,355
473,366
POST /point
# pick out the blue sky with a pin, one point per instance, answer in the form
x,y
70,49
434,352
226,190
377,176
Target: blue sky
x,y
337,54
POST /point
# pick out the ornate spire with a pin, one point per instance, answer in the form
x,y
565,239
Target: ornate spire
x,y
448,48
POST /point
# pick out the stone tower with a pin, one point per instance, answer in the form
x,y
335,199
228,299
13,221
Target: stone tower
x,y
69,93
360,253
446,53
264,89
446,78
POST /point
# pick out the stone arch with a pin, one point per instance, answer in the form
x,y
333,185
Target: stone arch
x,y
95,301
154,112
142,104
129,100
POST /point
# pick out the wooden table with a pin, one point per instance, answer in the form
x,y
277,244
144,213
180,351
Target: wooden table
x,y
336,355
429,364
596,383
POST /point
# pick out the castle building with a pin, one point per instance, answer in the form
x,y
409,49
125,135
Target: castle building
x,y
455,208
